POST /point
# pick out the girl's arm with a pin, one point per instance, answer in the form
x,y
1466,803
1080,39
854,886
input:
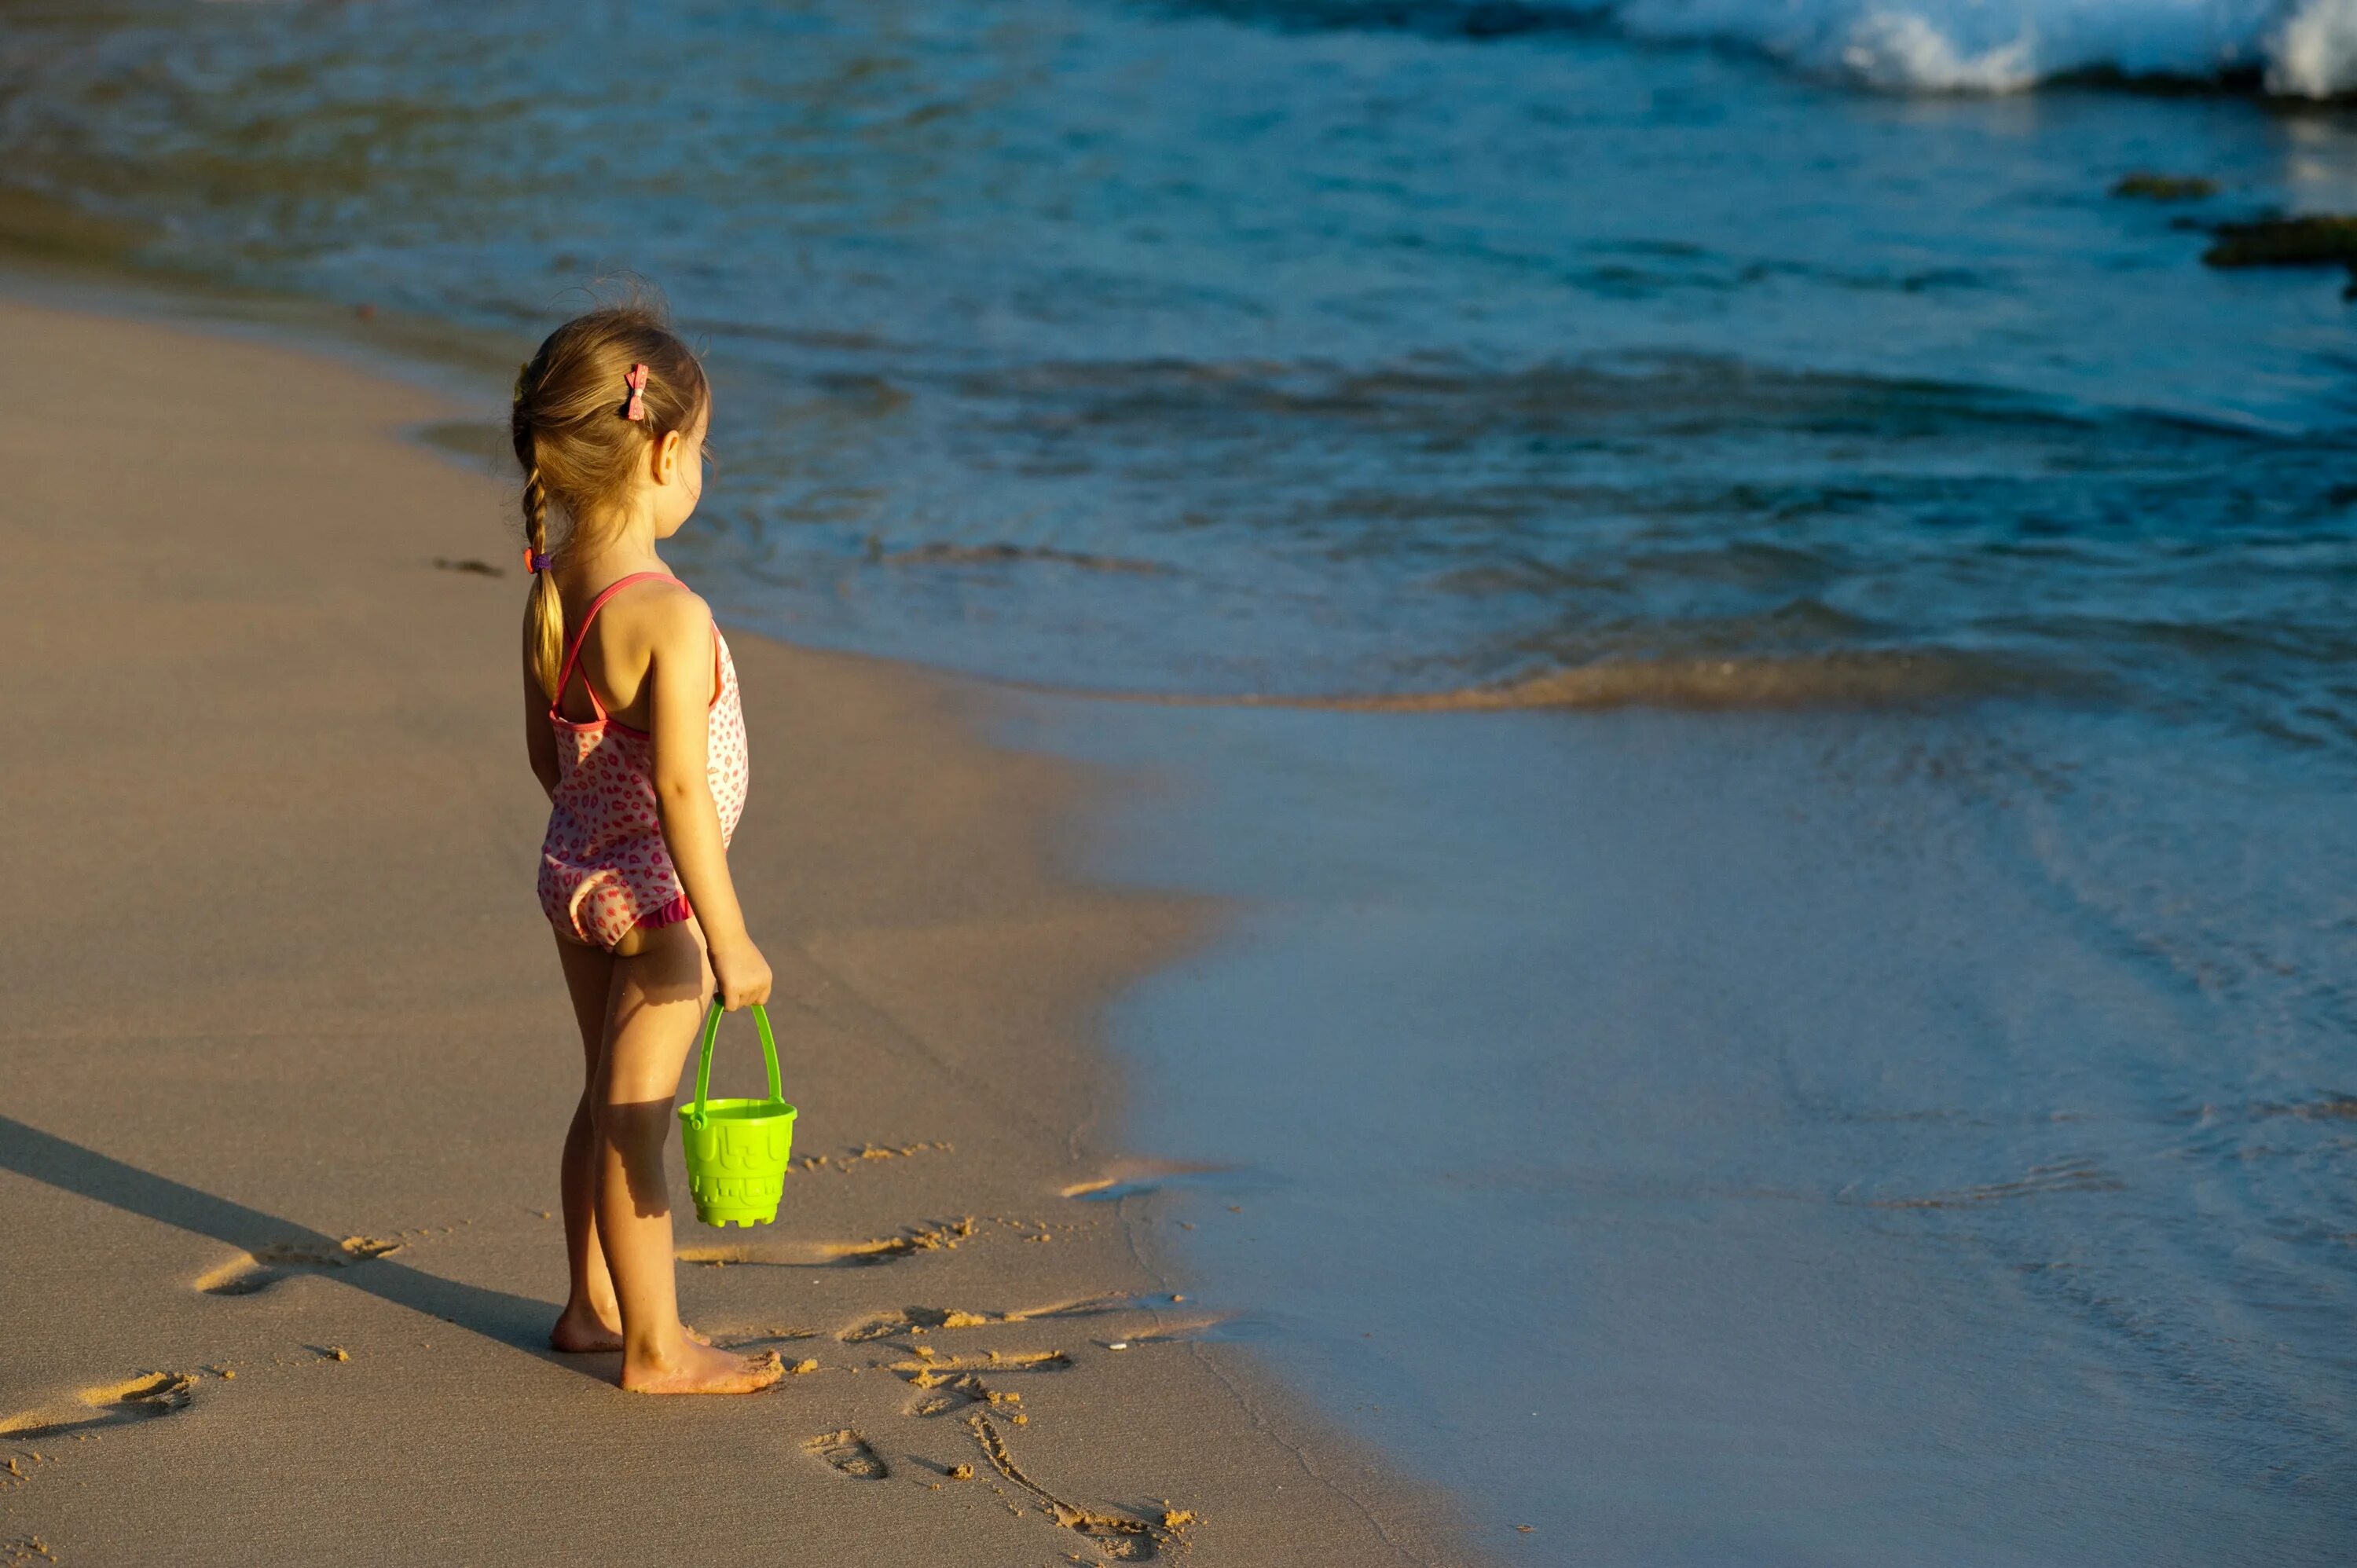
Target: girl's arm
x,y
539,740
679,687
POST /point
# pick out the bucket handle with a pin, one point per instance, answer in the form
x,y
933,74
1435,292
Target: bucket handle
x,y
703,1060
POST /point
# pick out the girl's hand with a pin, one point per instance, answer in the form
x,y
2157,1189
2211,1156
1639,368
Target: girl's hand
x,y
743,974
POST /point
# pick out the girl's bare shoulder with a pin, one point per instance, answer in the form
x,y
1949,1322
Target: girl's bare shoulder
x,y
659,611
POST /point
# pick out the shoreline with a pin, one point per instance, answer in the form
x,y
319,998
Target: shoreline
x,y
293,1061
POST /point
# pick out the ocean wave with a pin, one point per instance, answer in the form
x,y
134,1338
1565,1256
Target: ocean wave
x,y
1843,679
942,552
2314,53
2304,48
2297,49
1837,680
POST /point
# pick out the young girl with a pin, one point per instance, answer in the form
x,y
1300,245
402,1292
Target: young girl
x,y
632,719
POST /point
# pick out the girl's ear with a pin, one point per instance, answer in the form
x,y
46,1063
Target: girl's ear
x,y
664,458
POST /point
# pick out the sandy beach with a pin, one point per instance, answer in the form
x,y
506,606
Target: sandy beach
x,y
290,1059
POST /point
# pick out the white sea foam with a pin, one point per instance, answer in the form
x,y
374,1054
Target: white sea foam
x,y
2314,53
2299,47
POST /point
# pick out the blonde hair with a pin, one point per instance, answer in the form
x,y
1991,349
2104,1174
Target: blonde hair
x,y
576,446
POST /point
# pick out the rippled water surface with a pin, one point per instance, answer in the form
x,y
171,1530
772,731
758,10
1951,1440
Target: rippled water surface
x,y
1295,349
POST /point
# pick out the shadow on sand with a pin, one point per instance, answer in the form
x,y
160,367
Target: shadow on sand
x,y
512,1320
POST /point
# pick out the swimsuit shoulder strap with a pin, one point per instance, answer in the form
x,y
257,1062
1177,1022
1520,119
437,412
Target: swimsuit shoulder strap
x,y
572,654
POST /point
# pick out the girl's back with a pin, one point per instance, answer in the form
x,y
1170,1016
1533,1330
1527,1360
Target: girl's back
x,y
617,650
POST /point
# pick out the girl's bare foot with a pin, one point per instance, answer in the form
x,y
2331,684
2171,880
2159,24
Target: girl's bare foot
x,y
701,1369
582,1331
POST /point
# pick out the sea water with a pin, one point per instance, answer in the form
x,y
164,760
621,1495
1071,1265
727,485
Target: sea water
x,y
1818,1026
1800,1138
1345,350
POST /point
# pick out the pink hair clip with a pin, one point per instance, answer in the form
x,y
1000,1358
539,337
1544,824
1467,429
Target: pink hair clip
x,y
637,381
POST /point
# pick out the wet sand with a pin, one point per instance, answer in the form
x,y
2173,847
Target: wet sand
x,y
1897,1137
289,1058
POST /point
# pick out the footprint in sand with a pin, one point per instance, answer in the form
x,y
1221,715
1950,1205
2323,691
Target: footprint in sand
x,y
951,1382
1125,1538
883,1328
892,1325
142,1398
920,1318
945,1391
836,1254
265,1266
847,1452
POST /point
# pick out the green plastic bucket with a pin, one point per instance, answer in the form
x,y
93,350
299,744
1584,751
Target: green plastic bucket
x,y
736,1149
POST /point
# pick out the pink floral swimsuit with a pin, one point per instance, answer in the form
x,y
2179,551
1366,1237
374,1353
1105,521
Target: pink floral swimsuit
x,y
604,868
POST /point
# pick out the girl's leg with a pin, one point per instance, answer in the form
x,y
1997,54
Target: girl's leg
x,y
660,984
590,1320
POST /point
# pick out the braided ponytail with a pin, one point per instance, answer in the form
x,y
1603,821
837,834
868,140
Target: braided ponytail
x,y
576,447
545,609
